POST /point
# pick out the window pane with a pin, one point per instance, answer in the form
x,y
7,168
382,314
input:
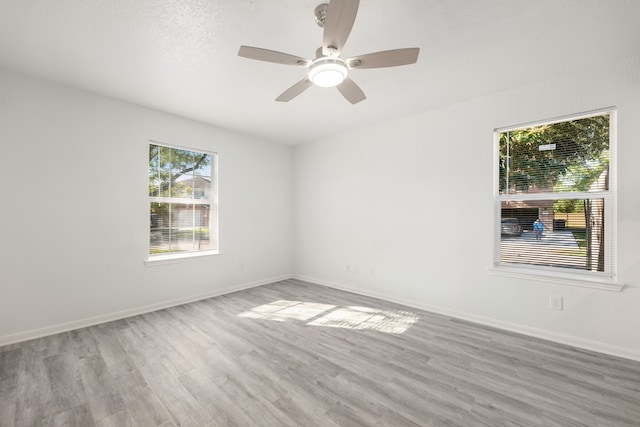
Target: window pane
x,y
159,170
559,233
571,156
202,183
160,236
189,170
179,227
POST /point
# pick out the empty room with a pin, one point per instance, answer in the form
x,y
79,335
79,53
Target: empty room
x,y
308,213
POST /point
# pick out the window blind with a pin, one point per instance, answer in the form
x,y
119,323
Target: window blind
x,y
554,196
182,201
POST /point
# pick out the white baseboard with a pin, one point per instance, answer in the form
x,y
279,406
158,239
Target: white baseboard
x,y
573,341
82,323
512,327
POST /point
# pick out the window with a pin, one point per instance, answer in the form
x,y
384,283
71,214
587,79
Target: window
x,y
555,198
183,202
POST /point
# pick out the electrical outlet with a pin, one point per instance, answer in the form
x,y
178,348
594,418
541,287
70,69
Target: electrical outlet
x,y
349,268
241,267
555,302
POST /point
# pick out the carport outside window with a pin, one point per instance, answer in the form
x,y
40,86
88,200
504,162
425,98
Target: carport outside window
x,y
555,197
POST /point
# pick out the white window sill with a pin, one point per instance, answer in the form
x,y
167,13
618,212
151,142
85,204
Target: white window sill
x,y
584,281
179,258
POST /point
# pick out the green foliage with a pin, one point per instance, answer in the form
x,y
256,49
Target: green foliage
x,y
568,206
154,251
579,157
581,238
580,177
167,165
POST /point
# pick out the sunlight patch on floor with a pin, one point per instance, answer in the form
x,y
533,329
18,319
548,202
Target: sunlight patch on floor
x,y
392,322
283,310
317,314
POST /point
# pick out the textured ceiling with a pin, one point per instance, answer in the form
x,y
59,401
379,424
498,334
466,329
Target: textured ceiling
x,y
180,56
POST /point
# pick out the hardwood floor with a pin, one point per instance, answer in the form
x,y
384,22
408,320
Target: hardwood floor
x,y
296,354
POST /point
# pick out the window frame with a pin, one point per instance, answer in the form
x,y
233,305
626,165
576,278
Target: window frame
x,y
179,257
606,280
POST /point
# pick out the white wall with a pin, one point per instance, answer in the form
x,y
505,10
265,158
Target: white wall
x,y
75,216
412,199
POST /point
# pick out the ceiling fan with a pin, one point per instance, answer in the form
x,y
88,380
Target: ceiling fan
x,y
328,69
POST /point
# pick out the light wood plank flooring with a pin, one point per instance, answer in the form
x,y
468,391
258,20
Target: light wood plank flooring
x,y
296,354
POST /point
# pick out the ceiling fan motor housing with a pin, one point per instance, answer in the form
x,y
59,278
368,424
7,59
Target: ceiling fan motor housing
x,y
320,14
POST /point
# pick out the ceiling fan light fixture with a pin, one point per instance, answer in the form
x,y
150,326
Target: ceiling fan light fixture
x,y
328,72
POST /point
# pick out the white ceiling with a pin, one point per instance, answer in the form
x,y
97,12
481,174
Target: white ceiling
x,y
180,56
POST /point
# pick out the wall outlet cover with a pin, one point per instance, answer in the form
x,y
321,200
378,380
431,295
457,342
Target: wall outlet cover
x,y
555,302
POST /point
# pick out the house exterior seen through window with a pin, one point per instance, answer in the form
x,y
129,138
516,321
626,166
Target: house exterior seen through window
x,y
555,196
183,202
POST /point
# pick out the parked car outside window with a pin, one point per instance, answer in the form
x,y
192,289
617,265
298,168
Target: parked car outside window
x,y
510,227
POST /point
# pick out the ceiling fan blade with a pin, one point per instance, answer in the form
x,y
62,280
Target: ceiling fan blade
x,y
272,56
387,58
294,90
351,91
341,15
